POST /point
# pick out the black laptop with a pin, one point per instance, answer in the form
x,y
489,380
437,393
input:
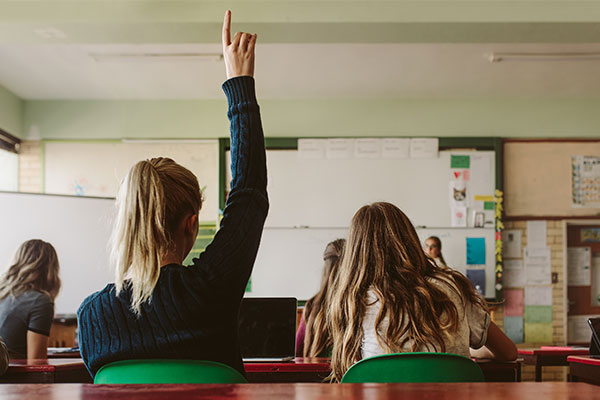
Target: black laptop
x,y
267,329
595,341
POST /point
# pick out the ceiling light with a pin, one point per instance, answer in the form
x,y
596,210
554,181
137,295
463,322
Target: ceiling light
x,y
156,57
584,56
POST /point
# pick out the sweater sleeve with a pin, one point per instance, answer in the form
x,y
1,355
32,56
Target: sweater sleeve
x,y
300,335
228,260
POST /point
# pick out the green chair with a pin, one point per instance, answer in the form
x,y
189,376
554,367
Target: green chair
x,y
414,367
167,371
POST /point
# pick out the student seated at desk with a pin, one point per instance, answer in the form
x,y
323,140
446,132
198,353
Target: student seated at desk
x,y
313,338
389,297
433,248
27,293
158,308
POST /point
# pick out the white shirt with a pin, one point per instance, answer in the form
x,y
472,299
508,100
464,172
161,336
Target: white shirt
x,y
471,331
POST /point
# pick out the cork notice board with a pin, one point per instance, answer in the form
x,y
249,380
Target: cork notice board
x,y
537,177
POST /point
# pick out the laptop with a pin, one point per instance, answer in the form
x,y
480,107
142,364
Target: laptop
x,y
267,329
595,342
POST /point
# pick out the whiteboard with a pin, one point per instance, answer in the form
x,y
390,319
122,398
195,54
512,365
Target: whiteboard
x,y
97,168
290,260
77,227
325,193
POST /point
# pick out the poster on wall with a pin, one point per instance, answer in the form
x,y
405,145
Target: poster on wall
x,y
585,181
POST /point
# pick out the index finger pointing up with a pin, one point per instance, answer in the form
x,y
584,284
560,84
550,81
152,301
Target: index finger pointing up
x,y
227,29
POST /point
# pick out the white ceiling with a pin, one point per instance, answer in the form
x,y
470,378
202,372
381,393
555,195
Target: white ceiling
x,y
300,71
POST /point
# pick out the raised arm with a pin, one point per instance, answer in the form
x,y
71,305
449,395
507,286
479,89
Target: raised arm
x,y
230,256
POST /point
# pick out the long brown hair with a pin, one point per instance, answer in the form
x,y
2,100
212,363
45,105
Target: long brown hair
x,y
153,199
35,267
383,254
317,337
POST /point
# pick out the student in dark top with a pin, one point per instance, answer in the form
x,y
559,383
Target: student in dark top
x,y
27,293
312,337
158,308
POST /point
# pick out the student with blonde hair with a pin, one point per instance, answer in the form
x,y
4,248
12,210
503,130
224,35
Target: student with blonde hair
x,y
313,338
389,297
27,293
158,308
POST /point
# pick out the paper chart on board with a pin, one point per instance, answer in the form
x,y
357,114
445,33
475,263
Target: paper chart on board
x,y
511,242
538,265
536,234
312,148
579,268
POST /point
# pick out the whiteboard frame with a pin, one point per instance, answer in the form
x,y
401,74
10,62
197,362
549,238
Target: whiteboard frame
x,y
477,143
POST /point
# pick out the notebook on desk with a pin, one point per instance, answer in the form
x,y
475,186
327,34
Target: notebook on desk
x,y
267,329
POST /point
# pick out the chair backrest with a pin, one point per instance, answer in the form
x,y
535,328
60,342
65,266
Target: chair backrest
x,y
414,367
167,371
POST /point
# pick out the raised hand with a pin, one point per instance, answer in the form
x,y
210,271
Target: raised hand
x,y
239,53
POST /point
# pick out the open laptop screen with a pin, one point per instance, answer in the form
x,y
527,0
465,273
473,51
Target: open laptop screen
x,y
267,327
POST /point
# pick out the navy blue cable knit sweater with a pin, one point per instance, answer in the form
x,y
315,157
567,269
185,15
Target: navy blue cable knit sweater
x,y
193,313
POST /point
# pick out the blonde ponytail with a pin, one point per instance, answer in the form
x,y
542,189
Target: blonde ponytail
x,y
153,198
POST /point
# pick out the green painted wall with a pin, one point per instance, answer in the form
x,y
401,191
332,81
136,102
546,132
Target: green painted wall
x,y
11,113
320,118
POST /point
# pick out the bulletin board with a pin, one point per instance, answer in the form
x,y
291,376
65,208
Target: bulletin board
x,y
538,177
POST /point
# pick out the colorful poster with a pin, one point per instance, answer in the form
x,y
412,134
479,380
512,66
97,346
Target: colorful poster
x,y
513,303
477,278
590,235
538,333
538,314
460,162
585,181
475,251
513,327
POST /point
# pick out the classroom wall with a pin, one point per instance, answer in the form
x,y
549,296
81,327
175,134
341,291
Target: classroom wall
x,y
321,118
11,112
555,240
30,166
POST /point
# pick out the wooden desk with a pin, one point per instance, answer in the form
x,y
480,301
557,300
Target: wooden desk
x,y
302,391
64,370
584,369
317,369
297,370
548,356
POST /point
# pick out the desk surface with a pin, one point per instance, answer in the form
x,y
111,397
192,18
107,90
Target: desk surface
x,y
291,391
584,360
50,365
549,351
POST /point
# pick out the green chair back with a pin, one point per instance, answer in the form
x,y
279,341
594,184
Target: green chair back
x,y
414,367
167,371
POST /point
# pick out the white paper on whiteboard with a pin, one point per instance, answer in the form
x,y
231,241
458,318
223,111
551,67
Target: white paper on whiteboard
x,y
340,148
579,269
311,148
538,295
367,148
511,240
424,148
459,217
536,233
395,148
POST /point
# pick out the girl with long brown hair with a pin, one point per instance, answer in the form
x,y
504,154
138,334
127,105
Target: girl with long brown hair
x,y
27,293
313,338
158,308
389,297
